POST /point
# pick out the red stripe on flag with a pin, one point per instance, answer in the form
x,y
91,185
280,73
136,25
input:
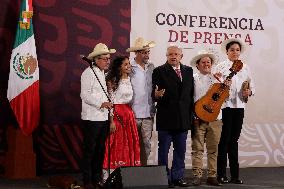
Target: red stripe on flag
x,y
26,108
30,7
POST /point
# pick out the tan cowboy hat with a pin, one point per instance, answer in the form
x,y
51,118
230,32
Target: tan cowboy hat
x,y
99,50
141,44
202,54
224,44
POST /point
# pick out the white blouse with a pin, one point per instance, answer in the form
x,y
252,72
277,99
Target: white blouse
x,y
235,98
202,83
124,92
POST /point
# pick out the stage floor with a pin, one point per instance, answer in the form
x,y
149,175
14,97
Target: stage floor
x,y
272,178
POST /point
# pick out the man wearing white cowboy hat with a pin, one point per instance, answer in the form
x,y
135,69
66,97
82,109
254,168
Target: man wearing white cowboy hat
x,y
233,110
142,103
94,114
205,132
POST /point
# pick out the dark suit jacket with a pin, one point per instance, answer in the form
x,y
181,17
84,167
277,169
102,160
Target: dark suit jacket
x,y
175,108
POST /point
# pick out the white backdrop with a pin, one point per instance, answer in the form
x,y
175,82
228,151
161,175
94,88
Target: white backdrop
x,y
260,23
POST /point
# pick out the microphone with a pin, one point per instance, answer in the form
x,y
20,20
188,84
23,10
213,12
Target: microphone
x,y
86,59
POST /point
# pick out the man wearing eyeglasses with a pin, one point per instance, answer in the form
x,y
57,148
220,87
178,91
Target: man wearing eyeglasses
x,y
142,103
94,114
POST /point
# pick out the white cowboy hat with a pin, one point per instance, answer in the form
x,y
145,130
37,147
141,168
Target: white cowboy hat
x,y
99,50
141,44
224,44
202,54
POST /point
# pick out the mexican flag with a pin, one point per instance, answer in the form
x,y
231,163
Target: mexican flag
x,y
23,85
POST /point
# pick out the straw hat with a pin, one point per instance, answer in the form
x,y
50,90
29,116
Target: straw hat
x,y
202,54
224,44
141,44
99,50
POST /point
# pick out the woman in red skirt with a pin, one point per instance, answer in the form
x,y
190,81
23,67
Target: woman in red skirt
x,y
124,139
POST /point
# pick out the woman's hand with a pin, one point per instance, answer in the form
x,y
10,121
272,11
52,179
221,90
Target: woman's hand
x,y
112,127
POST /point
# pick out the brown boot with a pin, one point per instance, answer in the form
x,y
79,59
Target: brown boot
x,y
196,181
213,181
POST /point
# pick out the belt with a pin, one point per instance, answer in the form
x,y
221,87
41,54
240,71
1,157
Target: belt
x,y
198,121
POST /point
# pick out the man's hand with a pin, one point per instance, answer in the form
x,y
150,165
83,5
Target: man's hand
x,y
107,105
218,76
159,93
247,92
228,82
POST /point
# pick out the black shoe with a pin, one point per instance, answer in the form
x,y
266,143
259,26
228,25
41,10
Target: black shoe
x,y
171,185
236,181
181,183
213,181
89,186
98,185
223,180
196,181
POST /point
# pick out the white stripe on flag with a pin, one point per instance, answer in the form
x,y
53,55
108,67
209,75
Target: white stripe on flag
x,y
14,90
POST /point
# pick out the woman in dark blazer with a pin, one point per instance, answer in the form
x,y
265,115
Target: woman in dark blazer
x,y
173,92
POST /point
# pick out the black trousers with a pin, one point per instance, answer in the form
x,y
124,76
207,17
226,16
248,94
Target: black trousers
x,y
95,134
232,125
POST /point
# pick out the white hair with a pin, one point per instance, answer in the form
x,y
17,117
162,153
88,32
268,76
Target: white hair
x,y
174,46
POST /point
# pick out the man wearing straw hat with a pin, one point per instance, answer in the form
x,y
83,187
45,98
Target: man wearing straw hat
x,y
142,103
94,114
205,132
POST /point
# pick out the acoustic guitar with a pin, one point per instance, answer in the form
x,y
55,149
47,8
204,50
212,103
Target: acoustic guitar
x,y
207,108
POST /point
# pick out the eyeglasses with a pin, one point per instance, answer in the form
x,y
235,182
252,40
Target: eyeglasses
x,y
144,52
105,58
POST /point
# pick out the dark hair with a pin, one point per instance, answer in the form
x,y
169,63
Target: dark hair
x,y
232,43
114,75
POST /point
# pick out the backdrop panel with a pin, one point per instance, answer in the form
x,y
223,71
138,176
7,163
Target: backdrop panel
x,y
63,31
195,25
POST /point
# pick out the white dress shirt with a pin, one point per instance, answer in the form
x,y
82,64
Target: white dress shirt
x,y
93,96
235,98
202,83
141,80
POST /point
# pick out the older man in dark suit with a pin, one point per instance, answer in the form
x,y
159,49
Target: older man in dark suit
x,y
173,91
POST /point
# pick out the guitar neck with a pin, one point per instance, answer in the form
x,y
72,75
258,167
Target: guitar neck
x,y
231,75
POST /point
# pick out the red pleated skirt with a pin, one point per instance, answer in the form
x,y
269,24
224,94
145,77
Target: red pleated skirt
x,y
124,142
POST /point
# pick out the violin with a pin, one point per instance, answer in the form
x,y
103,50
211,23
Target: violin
x,y
207,108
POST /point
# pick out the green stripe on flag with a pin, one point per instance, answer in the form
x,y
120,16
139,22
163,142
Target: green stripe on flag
x,y
23,34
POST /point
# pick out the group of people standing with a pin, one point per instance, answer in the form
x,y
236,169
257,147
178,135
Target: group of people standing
x,y
118,110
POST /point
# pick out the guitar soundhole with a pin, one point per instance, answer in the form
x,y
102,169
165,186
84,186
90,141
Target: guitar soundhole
x,y
215,96
208,109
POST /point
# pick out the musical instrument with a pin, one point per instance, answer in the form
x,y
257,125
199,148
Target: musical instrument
x,y
207,108
245,86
